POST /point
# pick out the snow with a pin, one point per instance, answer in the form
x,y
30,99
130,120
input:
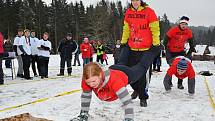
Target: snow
x,y
200,49
176,105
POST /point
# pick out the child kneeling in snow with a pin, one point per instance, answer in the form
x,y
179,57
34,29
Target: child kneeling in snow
x,y
181,68
107,89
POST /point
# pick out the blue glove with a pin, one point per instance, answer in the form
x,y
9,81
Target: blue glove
x,y
83,116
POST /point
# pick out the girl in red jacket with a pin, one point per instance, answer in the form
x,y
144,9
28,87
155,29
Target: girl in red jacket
x,y
181,67
107,86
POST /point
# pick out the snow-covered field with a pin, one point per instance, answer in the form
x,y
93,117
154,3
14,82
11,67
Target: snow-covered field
x,y
21,96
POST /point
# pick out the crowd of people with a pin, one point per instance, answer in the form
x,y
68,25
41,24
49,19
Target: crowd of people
x,y
34,52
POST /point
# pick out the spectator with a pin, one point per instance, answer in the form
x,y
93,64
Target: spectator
x,y
116,52
66,48
1,57
44,47
86,50
8,47
99,51
77,56
105,57
18,53
34,52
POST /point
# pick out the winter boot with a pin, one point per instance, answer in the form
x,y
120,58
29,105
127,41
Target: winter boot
x,y
180,86
143,103
134,95
61,72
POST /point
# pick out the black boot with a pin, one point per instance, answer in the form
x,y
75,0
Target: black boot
x,y
134,95
61,72
143,103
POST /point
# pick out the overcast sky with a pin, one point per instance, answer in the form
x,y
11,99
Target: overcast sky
x,y
201,12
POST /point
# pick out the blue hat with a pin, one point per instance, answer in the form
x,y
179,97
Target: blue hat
x,y
182,64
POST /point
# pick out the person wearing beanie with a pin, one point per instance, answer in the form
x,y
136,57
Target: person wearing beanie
x,y
140,40
66,48
176,40
181,67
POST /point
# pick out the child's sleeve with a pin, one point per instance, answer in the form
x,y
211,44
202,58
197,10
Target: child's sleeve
x,y
85,100
126,100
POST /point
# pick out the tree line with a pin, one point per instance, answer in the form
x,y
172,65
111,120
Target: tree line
x,y
102,21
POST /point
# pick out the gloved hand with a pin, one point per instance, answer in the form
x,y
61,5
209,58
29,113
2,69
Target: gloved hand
x,y
82,117
128,119
123,45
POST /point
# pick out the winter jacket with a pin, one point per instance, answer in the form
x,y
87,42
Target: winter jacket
x,y
111,89
141,28
1,44
176,38
104,56
86,50
107,91
100,49
67,48
190,73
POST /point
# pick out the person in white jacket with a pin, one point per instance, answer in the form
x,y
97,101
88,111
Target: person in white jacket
x,y
34,52
44,47
25,48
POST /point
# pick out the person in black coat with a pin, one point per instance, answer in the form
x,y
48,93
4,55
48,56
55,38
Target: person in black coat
x,y
66,48
8,47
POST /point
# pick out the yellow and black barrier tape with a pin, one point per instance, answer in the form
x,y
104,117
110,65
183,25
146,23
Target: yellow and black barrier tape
x,y
39,100
209,93
38,80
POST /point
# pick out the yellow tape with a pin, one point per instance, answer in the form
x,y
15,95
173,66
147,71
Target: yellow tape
x,y
39,100
46,79
209,93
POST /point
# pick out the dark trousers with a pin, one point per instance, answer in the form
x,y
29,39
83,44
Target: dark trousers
x,y
157,63
8,63
76,59
1,72
86,61
26,59
44,62
99,58
170,56
34,60
64,60
116,60
139,63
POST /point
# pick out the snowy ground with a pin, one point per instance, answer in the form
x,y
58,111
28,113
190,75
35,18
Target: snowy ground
x,y
16,95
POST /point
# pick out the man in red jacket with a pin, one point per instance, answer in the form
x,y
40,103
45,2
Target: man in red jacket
x,y
181,67
1,57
